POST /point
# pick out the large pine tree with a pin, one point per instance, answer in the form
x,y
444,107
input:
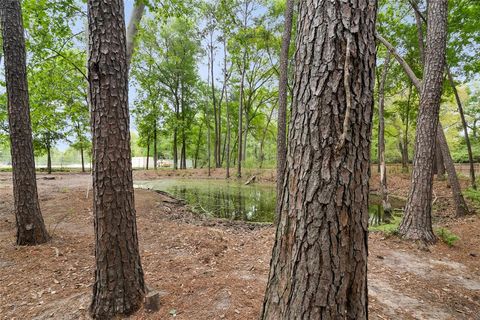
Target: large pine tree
x,y
319,261
416,223
119,286
30,226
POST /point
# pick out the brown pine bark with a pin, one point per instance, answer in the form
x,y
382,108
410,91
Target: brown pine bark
x,y
283,99
119,286
439,164
460,205
29,221
319,262
465,129
417,221
387,208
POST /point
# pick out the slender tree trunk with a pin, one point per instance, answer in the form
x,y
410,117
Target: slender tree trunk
x,y
465,129
387,208
148,152
227,171
460,205
155,151
319,262
208,146
262,141
119,286
197,149
417,221
82,158
245,139
240,118
183,161
49,160
216,151
132,30
175,148
29,221
405,160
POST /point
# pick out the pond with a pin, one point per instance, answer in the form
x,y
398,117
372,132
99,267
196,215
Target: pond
x,y
234,200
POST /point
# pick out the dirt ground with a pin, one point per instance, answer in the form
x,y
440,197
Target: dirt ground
x,y
211,269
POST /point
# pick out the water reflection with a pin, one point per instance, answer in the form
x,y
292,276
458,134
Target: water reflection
x,y
221,199
235,201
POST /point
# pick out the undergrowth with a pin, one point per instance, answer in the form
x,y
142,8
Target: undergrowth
x,y
473,195
447,236
389,229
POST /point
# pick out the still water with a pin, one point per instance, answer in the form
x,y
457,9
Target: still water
x,y
232,200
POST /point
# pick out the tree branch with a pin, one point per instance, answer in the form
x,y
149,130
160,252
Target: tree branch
x,y
408,70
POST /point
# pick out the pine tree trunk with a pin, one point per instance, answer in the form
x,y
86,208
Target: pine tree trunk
x,y
283,99
29,221
319,262
417,221
119,285
460,205
439,165
465,129
387,208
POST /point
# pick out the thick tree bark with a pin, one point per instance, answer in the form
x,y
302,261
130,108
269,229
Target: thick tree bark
x,y
319,262
417,221
283,100
29,221
387,208
460,205
132,30
465,129
439,165
119,286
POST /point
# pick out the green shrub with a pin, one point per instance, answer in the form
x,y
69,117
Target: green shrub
x,y
473,195
447,236
389,229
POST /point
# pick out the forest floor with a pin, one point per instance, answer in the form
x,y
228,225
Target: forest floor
x,y
213,269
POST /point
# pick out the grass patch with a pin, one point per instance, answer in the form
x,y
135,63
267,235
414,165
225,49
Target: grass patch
x,y
472,195
447,236
389,229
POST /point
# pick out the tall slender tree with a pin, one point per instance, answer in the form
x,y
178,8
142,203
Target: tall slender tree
x,y
29,221
119,286
381,139
319,262
416,223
